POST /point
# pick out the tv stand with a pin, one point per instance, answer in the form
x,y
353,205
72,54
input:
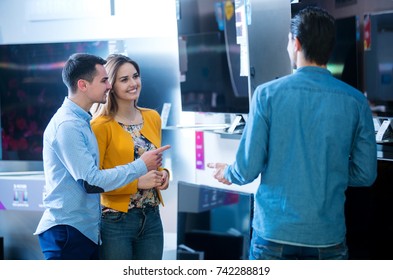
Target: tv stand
x,y
237,125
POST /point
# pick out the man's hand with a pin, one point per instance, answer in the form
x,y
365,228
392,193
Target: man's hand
x,y
218,172
153,158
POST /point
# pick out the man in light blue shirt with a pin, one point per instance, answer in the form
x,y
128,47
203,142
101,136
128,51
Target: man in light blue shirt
x,y
310,136
69,227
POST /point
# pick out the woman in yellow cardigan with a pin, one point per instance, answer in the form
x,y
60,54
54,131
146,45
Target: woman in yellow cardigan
x,y
131,225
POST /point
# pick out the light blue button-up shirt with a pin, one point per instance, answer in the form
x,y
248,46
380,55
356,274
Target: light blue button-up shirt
x,y
71,160
310,136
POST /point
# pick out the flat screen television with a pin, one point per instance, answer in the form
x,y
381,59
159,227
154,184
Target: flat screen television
x,y
344,60
211,62
213,223
31,90
378,62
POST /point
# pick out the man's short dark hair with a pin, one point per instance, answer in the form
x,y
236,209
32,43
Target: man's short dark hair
x,y
80,66
315,30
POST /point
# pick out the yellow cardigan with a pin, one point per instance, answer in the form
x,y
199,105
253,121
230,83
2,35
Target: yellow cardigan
x,y
116,147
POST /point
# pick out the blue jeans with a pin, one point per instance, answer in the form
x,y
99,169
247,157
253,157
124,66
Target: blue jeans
x,y
63,242
262,249
135,235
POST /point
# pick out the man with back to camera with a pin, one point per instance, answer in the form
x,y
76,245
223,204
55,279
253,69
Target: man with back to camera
x,y
310,136
69,227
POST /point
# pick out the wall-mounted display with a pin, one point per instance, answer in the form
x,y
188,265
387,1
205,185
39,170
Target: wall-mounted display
x,y
227,48
344,60
378,63
212,80
31,90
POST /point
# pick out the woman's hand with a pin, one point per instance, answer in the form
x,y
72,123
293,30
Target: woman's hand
x,y
151,179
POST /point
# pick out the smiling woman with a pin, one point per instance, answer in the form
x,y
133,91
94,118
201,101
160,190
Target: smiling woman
x,y
131,226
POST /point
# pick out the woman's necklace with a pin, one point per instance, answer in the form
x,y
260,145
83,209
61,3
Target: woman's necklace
x,y
132,119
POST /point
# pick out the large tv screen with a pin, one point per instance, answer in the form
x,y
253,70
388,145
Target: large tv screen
x,y
214,223
31,90
378,62
213,68
344,60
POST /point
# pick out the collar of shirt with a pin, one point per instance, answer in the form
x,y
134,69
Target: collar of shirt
x,y
75,108
313,69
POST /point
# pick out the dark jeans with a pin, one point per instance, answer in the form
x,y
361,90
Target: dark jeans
x,y
137,234
262,249
63,242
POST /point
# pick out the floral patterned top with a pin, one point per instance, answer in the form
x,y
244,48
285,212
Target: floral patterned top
x,y
141,198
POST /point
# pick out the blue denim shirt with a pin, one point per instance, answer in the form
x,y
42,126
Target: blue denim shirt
x,y
310,136
70,157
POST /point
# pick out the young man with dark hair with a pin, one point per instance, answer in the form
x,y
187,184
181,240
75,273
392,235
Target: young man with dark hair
x,y
309,136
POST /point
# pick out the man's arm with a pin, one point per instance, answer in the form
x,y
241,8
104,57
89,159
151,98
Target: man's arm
x,y
77,158
363,162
